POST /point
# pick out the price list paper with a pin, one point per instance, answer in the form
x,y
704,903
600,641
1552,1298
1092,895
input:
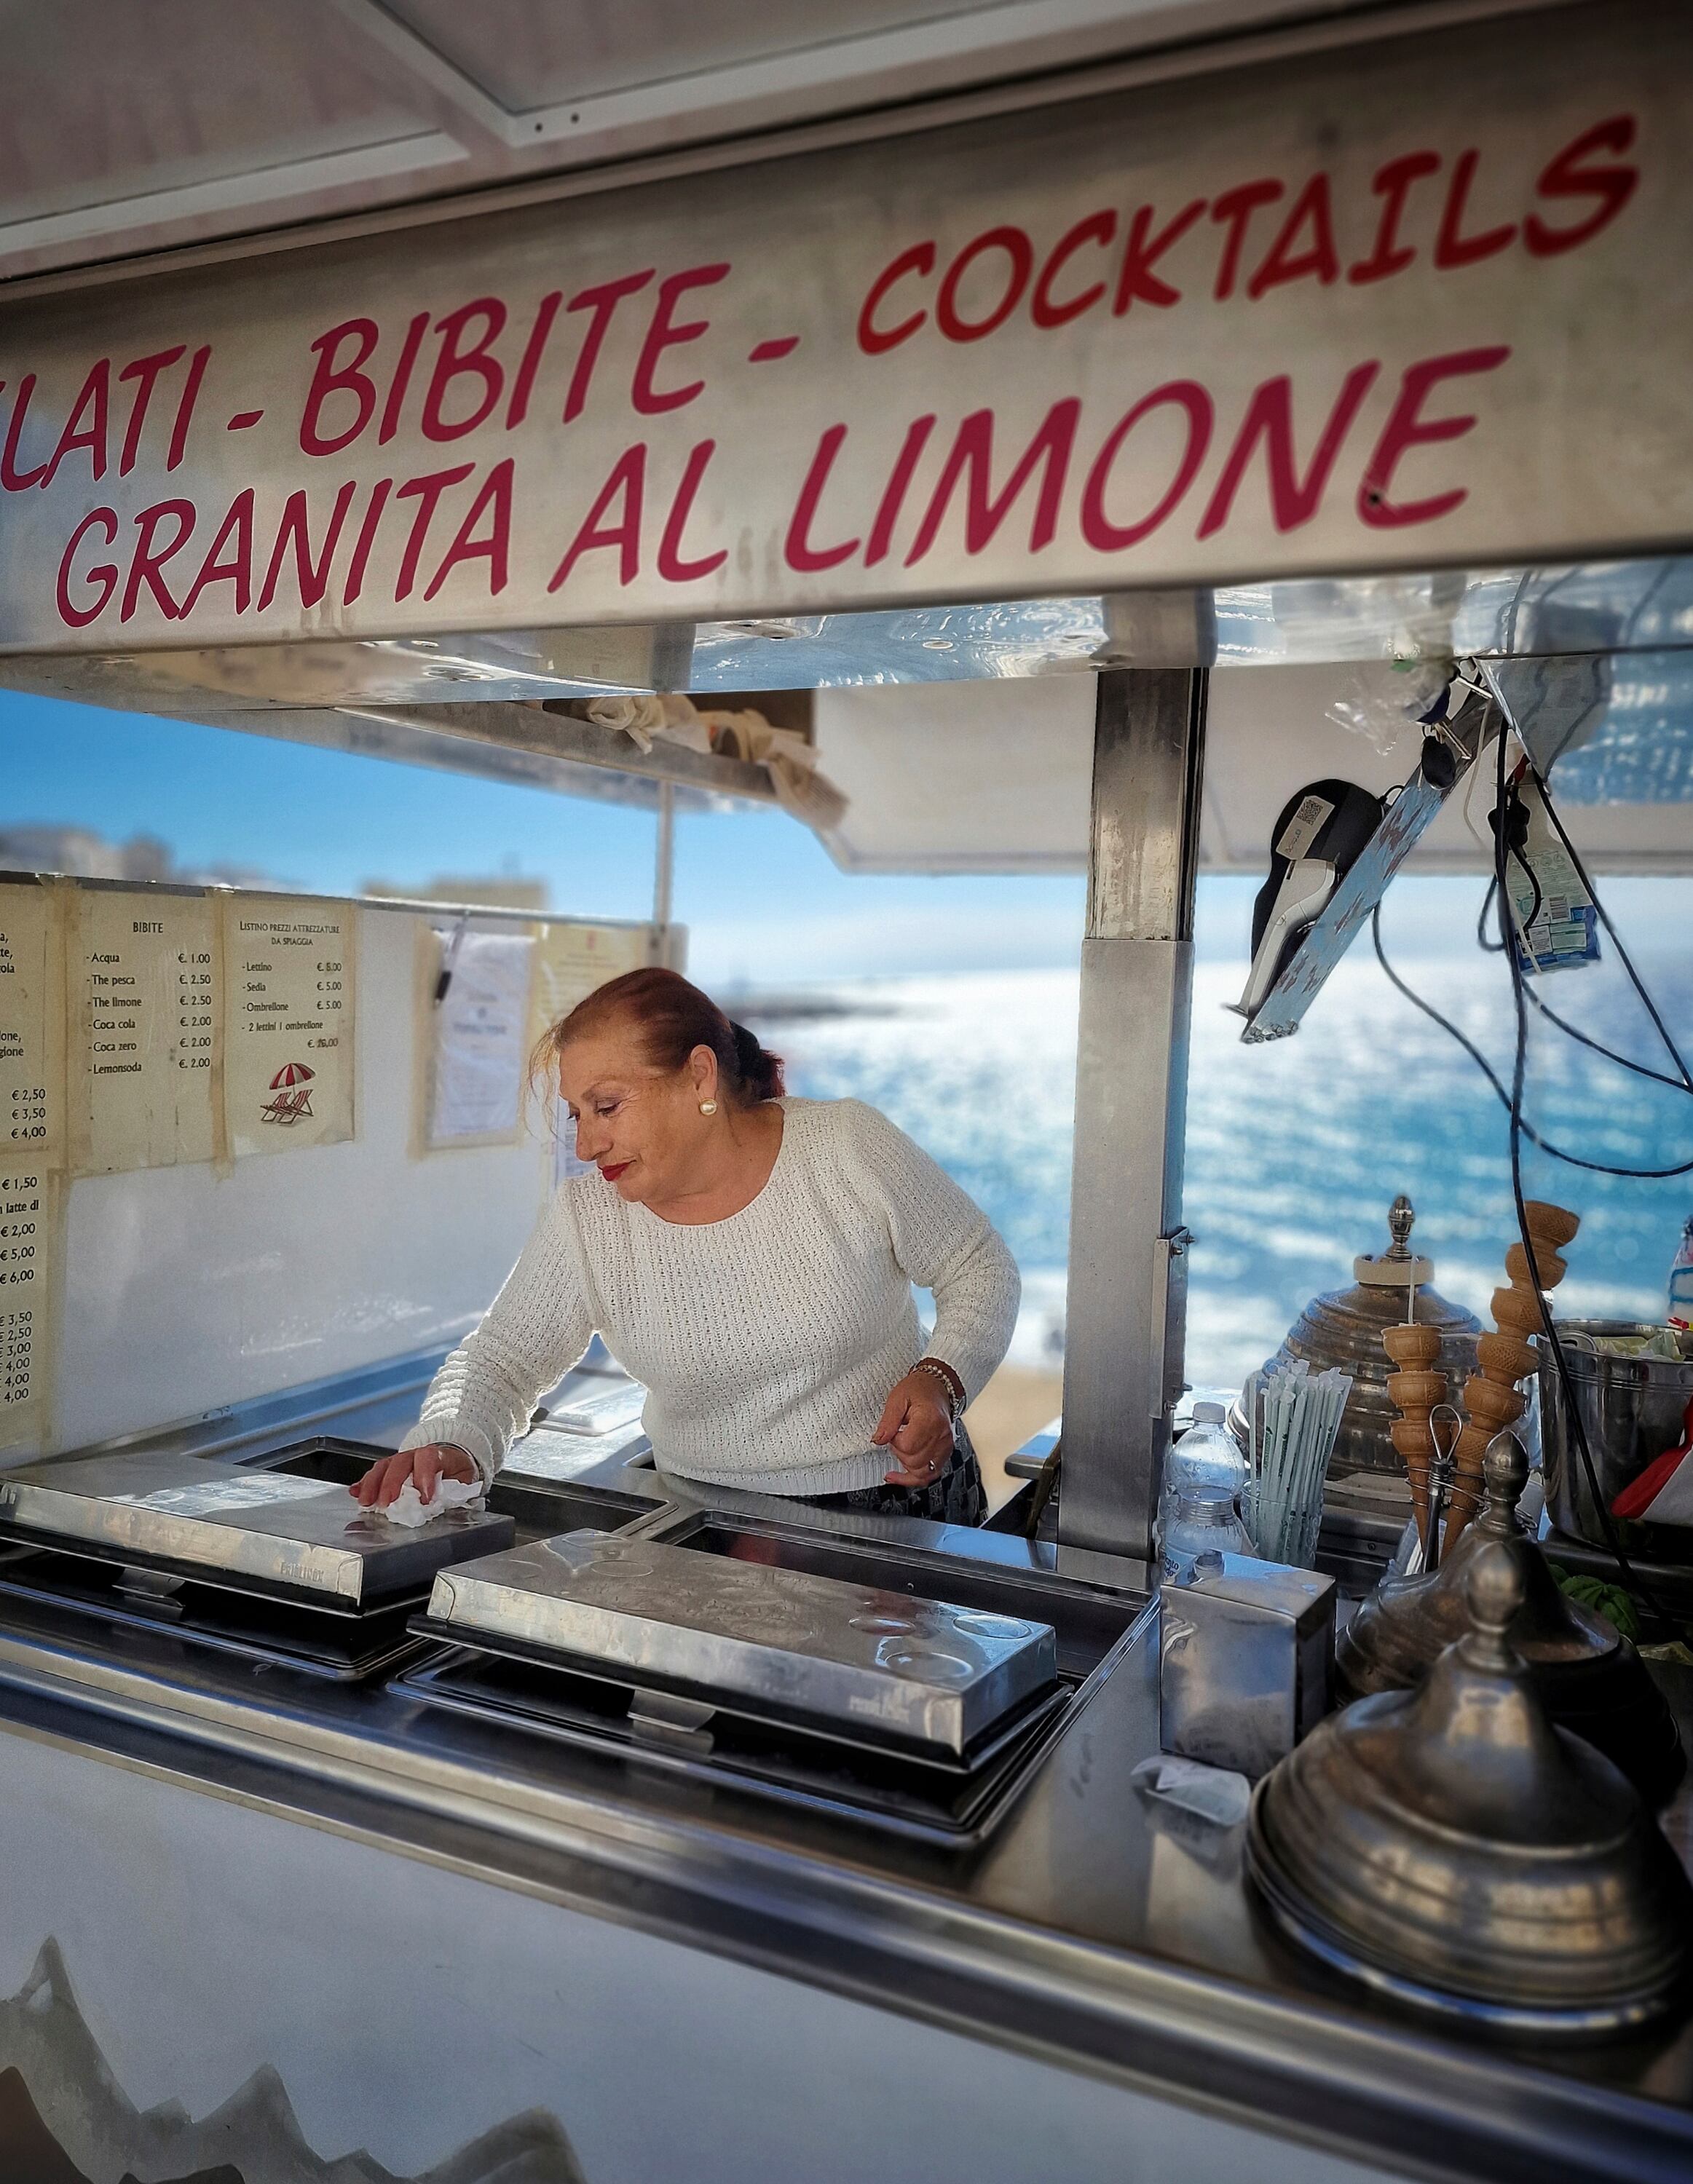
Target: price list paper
x,y
31,1048
571,960
29,1297
288,1023
141,1030
478,1043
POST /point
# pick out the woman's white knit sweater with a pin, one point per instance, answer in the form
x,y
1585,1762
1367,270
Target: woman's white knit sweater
x,y
769,1342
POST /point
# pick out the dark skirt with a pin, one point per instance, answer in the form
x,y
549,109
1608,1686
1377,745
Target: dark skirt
x,y
955,1496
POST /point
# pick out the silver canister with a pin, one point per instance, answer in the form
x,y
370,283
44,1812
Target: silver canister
x,y
1632,1409
1246,1662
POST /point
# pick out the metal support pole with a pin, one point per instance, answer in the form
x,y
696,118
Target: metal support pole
x,y
1127,1315
664,866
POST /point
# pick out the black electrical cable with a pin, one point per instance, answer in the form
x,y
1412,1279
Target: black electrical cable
x,y
1684,1082
1610,1053
1611,931
1487,1069
1519,1070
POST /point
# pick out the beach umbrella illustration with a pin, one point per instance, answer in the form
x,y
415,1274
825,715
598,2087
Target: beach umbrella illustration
x,y
292,1100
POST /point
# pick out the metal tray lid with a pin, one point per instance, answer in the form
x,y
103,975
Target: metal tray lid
x,y
306,1534
755,1638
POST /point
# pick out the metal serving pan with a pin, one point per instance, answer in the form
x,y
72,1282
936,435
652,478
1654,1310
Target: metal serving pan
x,y
300,1536
784,1644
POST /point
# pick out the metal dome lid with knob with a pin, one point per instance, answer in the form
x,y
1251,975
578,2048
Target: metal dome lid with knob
x,y
1454,1849
1343,1328
1590,1678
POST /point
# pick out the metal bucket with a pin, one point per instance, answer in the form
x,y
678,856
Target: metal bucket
x,y
1632,1409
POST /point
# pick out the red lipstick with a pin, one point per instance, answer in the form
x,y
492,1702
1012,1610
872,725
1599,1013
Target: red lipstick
x,y
611,1174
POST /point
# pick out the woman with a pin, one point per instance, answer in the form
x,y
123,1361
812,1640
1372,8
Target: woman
x,y
750,1258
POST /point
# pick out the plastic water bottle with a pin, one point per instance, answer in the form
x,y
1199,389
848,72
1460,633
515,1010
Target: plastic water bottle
x,y
1681,1281
1206,1455
1205,1522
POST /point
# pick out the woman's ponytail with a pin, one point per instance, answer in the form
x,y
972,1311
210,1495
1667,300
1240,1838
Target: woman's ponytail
x,y
760,1071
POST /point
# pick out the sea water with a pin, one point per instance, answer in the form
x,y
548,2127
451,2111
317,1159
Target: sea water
x,y
1295,1150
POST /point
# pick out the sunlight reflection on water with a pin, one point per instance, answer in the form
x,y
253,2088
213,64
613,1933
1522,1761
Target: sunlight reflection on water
x,y
1295,1149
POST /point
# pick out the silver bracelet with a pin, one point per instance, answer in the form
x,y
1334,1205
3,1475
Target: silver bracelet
x,y
936,1372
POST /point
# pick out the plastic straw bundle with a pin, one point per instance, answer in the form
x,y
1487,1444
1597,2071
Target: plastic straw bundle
x,y
1295,1416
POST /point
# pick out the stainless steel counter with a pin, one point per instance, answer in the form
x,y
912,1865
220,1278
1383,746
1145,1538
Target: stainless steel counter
x,y
1095,1928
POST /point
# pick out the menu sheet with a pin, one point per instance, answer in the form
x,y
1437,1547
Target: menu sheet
x,y
141,1029
29,1276
288,974
570,961
31,1044
479,1035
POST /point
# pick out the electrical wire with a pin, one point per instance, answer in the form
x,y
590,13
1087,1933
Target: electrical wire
x,y
1611,931
1545,1144
1519,1070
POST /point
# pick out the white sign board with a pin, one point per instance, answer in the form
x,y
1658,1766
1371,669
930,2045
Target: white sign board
x,y
1409,302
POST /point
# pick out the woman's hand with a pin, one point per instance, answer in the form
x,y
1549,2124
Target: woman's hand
x,y
385,1480
917,1426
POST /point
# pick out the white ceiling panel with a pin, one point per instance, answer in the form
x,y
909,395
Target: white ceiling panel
x,y
996,777
101,104
134,126
534,53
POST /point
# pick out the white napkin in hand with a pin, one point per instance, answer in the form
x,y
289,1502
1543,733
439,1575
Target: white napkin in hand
x,y
408,1507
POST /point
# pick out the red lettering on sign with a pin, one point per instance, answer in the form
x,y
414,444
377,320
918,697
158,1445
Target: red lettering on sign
x,y
627,483
530,362
1142,252
672,567
1568,175
312,577
602,301
1406,429
662,334
493,500
1101,533
1284,262
1454,249
971,457
1270,418
875,340
238,527
14,480
331,376
1020,254
150,557
402,378
452,362
185,408
893,494
104,573
1234,209
145,372
427,492
1392,184
798,551
366,540
96,398
1099,227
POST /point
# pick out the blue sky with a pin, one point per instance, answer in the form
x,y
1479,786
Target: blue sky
x,y
762,900
760,894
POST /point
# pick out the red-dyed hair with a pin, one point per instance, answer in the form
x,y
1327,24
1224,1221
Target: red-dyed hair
x,y
672,1016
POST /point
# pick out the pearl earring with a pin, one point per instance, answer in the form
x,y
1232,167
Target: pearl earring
x,y
708,1106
